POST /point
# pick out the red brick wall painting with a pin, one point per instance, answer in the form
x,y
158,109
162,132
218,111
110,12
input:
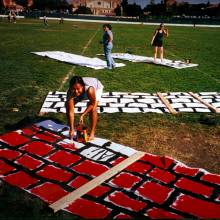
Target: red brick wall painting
x,y
40,160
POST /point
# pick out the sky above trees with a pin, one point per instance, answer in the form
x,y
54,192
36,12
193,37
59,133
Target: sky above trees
x,y
143,3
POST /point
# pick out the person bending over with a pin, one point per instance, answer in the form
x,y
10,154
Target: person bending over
x,y
157,41
83,88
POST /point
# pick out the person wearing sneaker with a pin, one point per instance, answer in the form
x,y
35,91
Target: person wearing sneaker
x,y
83,88
108,45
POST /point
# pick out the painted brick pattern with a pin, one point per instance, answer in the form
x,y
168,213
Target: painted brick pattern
x,y
136,102
45,164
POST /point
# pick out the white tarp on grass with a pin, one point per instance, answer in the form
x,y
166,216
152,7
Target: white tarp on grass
x,y
178,64
94,63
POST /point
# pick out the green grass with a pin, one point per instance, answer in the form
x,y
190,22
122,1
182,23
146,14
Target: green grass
x,y
26,79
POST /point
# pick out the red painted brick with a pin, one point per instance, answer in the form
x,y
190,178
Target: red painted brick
x,y
37,148
78,182
181,169
46,137
154,192
88,209
125,180
64,158
20,179
122,216
5,168
194,187
28,131
13,139
29,162
49,192
197,207
117,161
122,200
156,213
138,167
55,173
67,146
162,175
162,162
9,154
52,135
212,178
99,191
90,168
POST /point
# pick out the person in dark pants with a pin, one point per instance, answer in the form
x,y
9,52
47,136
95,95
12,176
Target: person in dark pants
x,y
157,41
108,45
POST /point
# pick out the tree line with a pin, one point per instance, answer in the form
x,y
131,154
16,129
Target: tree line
x,y
125,9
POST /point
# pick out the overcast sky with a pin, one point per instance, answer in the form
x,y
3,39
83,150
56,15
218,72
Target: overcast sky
x,y
143,3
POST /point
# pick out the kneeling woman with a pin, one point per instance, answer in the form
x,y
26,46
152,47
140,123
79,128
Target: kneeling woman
x,y
83,88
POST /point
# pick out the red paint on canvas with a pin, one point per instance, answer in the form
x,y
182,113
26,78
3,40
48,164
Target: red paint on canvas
x,y
48,138
154,192
122,216
186,170
90,168
67,146
122,200
9,154
212,178
55,173
20,179
99,191
162,175
197,207
28,131
49,192
29,162
162,162
13,139
37,148
117,161
156,213
5,168
88,209
64,158
194,187
78,182
139,167
125,180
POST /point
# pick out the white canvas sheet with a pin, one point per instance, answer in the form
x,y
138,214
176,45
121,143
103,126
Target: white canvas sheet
x,y
94,63
136,58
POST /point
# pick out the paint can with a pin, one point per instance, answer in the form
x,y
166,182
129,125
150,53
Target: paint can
x,y
188,61
81,133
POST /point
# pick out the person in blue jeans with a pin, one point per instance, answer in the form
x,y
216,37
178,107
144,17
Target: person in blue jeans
x,y
108,45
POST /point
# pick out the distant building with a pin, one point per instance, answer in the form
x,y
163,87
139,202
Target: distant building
x,y
98,7
12,4
170,2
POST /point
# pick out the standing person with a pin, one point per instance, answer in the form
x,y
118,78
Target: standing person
x,y
9,16
157,41
45,20
83,88
108,45
14,16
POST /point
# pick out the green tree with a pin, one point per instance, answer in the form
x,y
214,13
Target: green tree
x,y
50,4
118,10
22,2
83,10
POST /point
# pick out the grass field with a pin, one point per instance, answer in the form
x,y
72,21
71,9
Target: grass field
x,y
194,139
